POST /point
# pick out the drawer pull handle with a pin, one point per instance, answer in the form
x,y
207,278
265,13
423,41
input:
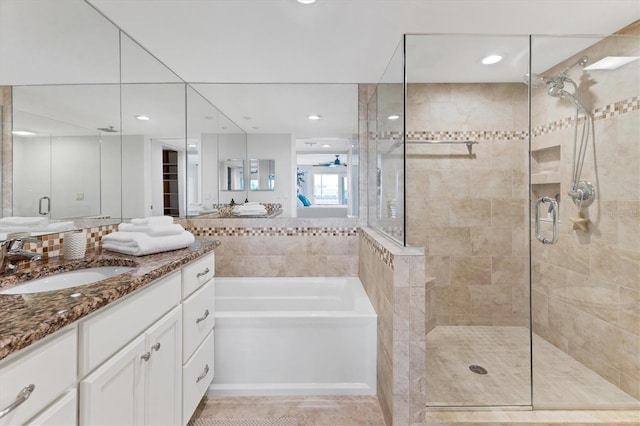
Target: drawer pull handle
x,y
23,395
203,273
203,317
146,356
156,347
204,373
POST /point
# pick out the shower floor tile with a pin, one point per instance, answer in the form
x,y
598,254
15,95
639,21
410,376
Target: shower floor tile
x,y
559,380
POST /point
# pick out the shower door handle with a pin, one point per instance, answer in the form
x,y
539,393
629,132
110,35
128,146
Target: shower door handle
x,y
41,210
553,209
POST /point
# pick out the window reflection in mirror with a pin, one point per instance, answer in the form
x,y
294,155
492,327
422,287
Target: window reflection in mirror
x,y
262,174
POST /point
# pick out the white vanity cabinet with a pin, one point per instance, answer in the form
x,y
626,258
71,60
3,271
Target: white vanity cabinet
x,y
198,323
146,359
35,382
140,385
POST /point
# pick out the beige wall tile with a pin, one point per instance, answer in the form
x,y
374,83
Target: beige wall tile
x,y
470,270
470,212
615,263
491,241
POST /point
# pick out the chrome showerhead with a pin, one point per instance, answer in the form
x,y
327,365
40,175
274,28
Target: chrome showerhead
x,y
535,80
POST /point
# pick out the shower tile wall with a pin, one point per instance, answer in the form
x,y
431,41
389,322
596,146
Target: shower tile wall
x,y
470,212
586,289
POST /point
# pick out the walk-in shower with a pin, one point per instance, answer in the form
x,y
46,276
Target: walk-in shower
x,y
551,325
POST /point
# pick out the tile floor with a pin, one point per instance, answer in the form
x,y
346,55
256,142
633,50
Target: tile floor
x,y
362,411
559,380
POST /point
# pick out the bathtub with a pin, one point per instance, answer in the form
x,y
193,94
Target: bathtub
x,y
293,336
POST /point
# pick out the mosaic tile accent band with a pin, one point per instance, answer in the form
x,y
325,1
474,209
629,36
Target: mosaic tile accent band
x,y
51,245
608,111
453,135
271,231
384,254
600,113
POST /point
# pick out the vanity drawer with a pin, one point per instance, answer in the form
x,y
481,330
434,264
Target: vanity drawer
x,y
105,333
63,412
197,375
197,318
50,366
197,273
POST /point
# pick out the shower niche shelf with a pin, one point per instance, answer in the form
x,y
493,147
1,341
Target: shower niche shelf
x,y
545,165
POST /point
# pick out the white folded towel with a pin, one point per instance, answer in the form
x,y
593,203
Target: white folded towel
x,y
153,220
140,244
45,226
153,230
23,220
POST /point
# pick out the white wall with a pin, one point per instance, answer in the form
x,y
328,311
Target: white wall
x,y
281,148
111,176
136,173
75,177
209,168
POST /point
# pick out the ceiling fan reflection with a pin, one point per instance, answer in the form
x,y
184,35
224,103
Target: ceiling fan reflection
x,y
334,163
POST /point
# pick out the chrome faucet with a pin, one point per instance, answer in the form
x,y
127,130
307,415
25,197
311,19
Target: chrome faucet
x,y
12,252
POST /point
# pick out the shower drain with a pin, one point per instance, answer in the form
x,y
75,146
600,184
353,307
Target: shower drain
x,y
478,369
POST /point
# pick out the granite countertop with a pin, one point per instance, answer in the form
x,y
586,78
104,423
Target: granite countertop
x,y
28,317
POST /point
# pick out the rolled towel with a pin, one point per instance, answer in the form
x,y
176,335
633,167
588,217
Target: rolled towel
x,y
153,230
140,244
153,220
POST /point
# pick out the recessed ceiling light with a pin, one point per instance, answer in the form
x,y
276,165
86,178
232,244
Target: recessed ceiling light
x,y
491,59
611,62
326,145
306,1
23,133
142,117
192,145
314,117
393,117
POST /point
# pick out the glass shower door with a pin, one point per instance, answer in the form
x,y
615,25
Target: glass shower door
x,y
585,176
467,203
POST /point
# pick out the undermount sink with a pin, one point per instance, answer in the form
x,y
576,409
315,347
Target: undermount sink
x,y
64,280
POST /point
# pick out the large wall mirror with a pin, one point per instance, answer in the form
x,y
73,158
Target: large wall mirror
x,y
118,135
289,155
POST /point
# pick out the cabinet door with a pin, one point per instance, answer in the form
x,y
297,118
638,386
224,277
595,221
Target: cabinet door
x,y
163,402
113,394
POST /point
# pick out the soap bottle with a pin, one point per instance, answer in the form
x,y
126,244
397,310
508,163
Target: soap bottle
x,y
233,203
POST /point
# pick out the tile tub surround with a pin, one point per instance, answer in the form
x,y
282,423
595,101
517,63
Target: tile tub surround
x,y
281,247
394,280
30,317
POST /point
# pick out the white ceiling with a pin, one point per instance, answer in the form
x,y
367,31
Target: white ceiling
x,y
331,42
334,41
